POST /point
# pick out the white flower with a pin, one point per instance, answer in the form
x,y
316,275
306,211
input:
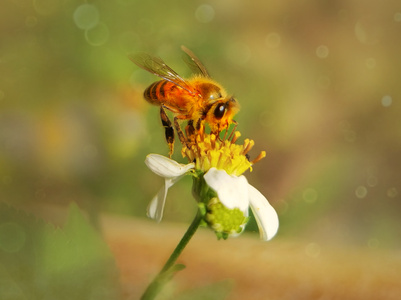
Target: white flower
x,y
233,192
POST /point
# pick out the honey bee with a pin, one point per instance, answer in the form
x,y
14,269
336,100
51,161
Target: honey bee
x,y
197,100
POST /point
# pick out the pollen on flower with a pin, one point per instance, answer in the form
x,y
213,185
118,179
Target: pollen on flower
x,y
208,151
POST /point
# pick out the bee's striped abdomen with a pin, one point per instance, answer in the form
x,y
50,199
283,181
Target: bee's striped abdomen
x,y
156,92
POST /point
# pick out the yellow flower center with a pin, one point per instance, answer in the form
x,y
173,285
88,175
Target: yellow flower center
x,y
208,151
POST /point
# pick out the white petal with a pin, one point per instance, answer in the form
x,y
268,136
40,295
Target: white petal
x,y
166,167
265,215
231,190
156,206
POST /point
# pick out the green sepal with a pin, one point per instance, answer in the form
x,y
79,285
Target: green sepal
x,y
202,212
200,190
221,235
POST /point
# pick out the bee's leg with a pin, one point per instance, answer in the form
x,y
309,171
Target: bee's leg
x,y
233,131
169,130
197,125
181,136
200,127
190,131
217,133
225,134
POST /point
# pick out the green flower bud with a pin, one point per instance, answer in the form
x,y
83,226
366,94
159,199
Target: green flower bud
x,y
225,222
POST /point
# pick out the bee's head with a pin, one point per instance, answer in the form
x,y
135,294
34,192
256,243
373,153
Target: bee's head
x,y
221,113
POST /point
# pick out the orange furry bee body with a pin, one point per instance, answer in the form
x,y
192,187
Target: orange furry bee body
x,y
197,100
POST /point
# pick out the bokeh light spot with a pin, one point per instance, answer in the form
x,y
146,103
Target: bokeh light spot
x,y
310,195
397,17
387,101
86,16
283,208
322,51
12,237
273,40
367,31
361,191
204,13
392,192
312,250
98,35
360,32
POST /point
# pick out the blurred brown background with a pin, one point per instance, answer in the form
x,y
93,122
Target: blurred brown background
x,y
318,84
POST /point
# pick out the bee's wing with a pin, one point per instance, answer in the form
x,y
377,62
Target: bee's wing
x,y
158,67
194,63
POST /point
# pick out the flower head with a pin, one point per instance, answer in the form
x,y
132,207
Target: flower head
x,y
223,193
209,151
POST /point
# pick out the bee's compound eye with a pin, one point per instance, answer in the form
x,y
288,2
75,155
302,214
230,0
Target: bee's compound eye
x,y
219,111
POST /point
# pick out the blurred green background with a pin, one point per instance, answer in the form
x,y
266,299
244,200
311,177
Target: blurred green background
x,y
318,84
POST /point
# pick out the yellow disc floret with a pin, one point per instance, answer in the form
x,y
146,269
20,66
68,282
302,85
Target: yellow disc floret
x,y
209,151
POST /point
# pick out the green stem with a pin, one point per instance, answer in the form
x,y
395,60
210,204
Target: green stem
x,y
169,269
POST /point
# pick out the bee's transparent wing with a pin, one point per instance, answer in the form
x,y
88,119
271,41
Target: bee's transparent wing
x,y
158,67
194,63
